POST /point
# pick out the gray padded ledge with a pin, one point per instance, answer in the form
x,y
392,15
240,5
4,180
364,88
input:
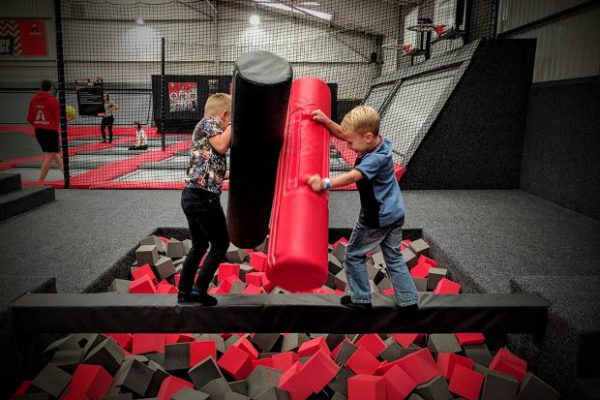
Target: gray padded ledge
x,y
275,313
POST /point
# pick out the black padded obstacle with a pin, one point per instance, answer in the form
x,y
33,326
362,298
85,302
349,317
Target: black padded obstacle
x,y
261,89
274,313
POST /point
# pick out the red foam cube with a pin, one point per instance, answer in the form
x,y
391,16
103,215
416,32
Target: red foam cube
x,y
245,345
258,260
398,384
143,285
366,387
74,396
508,363
228,269
283,361
165,287
292,381
420,366
421,270
447,361
91,380
372,342
469,338
388,291
362,362
265,362
144,270
466,383
148,343
319,370
228,283
21,390
124,340
236,363
172,385
253,289
446,286
202,349
176,278
310,347
255,278
341,240
427,260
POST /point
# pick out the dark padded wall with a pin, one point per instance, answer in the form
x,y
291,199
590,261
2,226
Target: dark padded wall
x,y
561,153
477,140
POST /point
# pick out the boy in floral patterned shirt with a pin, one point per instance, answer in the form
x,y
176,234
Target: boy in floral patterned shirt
x,y
200,199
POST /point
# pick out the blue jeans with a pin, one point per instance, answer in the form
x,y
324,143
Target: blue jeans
x,y
365,239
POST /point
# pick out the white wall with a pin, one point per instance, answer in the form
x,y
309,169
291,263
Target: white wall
x,y
567,48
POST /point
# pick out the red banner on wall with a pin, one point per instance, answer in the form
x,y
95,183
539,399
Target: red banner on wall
x,y
23,37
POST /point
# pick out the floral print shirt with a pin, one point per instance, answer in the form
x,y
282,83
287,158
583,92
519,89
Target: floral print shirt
x,y
206,173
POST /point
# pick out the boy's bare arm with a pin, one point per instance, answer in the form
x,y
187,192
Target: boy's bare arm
x,y
318,184
333,127
221,142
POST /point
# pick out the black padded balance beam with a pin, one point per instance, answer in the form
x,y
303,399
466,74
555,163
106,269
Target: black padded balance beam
x,y
276,313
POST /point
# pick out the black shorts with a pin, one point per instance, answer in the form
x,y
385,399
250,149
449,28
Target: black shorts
x,y
48,140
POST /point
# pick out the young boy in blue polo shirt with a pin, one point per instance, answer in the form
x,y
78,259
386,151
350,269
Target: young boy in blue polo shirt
x,y
382,208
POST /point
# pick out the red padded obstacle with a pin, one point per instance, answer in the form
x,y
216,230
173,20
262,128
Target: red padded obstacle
x,y
297,254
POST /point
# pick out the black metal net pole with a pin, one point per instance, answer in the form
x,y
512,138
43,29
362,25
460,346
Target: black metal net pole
x,y
162,93
60,69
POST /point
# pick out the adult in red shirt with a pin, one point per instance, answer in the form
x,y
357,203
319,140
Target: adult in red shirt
x,y
44,115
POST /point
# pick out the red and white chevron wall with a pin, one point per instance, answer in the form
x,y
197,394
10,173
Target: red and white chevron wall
x,y
22,38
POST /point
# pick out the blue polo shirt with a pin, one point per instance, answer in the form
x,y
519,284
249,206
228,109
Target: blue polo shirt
x,y
380,197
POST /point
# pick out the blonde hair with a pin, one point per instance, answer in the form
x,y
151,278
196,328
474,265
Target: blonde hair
x,y
217,102
361,119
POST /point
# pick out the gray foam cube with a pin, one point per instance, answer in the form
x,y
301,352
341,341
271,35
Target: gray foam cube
x,y
177,357
345,352
119,286
443,343
134,376
204,372
239,387
165,267
340,280
261,379
478,353
378,259
65,343
384,284
340,251
410,258
435,389
154,240
499,386
51,380
533,388
419,247
340,382
159,375
68,359
395,352
175,249
146,254
187,246
237,287
189,394
435,275
334,265
236,255
265,341
420,283
217,389
273,393
236,396
292,341
245,269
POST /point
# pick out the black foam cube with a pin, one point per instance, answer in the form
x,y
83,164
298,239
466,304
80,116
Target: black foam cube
x,y
435,275
334,265
265,341
410,258
67,360
239,387
340,382
134,376
345,352
204,372
158,376
420,283
395,352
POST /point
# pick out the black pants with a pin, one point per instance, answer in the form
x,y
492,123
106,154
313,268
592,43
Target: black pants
x,y
207,225
107,122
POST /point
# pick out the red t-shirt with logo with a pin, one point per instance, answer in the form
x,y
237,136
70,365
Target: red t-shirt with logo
x,y
44,111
